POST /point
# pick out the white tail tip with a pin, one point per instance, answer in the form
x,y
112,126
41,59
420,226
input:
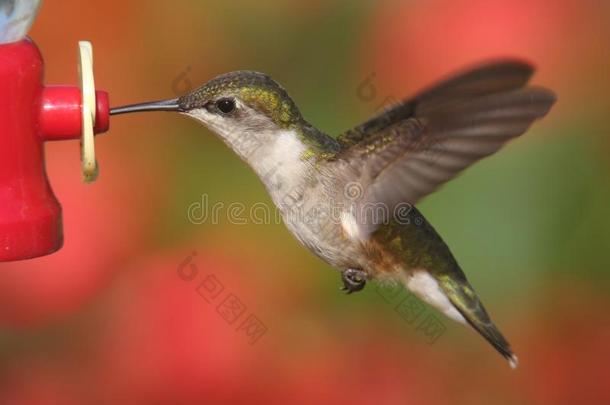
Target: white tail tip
x,y
513,361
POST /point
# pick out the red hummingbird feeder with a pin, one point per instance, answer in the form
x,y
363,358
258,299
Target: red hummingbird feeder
x,y
32,113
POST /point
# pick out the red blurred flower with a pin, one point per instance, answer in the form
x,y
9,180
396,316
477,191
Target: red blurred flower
x,y
171,342
416,42
568,356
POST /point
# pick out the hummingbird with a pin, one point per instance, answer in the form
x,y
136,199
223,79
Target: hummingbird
x,y
351,199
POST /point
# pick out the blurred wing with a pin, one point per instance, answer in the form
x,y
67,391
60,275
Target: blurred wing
x,y
486,79
407,152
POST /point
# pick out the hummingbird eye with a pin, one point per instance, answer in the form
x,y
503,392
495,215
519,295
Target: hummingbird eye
x,y
225,105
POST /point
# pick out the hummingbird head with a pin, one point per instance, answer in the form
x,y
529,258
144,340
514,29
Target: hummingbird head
x,y
251,113
242,101
239,107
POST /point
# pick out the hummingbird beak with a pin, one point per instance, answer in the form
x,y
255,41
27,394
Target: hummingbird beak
x,y
163,105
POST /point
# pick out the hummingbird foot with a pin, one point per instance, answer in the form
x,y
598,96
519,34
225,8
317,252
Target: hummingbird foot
x,y
353,280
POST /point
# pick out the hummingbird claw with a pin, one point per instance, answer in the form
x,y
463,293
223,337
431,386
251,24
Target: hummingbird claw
x,y
346,290
353,280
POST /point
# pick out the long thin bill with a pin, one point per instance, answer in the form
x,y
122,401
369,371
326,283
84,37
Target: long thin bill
x,y
163,105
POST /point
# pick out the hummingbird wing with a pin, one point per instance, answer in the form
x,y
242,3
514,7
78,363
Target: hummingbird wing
x,y
407,152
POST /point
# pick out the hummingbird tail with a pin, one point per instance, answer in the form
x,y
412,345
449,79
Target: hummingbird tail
x,y
450,293
465,300
491,333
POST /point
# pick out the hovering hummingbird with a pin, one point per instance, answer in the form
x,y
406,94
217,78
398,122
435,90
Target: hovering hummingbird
x,y
350,199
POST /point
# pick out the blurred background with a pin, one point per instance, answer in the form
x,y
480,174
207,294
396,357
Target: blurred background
x,y
148,304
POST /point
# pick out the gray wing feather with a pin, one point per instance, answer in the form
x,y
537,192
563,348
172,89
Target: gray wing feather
x,y
409,151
